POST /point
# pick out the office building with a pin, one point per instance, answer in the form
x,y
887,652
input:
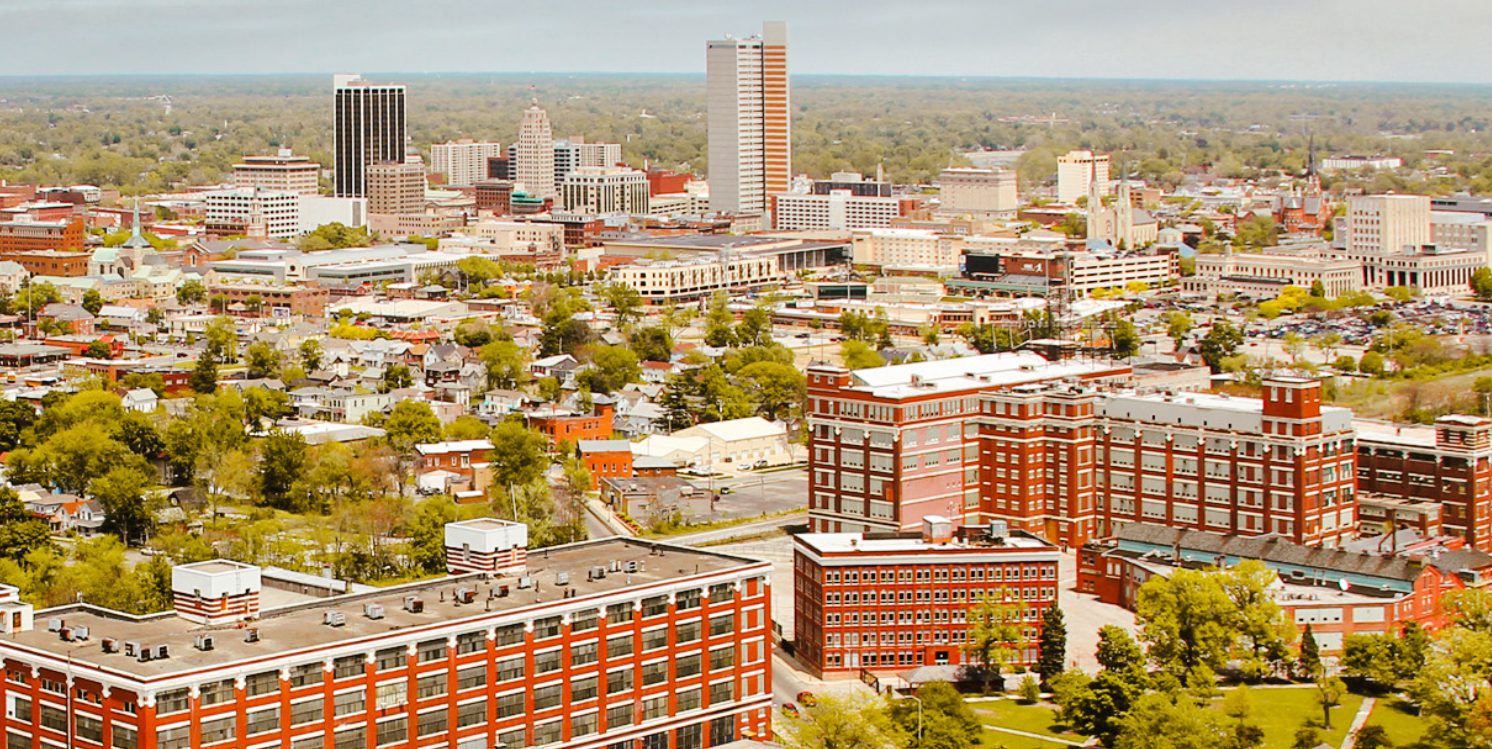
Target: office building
x,y
1265,274
890,445
922,249
282,172
890,602
369,128
36,236
494,196
463,162
1378,225
570,154
1462,230
985,192
396,187
589,645
836,209
749,120
1004,266
1078,172
605,189
1447,465
698,277
252,212
534,166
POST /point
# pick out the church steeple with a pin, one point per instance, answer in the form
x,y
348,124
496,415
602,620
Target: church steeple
x,y
137,239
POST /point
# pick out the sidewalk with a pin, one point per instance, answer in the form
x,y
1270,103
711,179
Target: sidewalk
x,y
1358,721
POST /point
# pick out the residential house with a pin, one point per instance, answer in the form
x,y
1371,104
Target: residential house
x,y
562,367
143,400
565,425
79,321
454,466
606,459
649,499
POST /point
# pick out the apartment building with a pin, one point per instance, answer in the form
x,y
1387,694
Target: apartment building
x,y
463,162
748,122
699,277
984,192
282,172
252,212
888,602
1448,466
587,645
1073,463
838,209
890,445
1080,173
396,187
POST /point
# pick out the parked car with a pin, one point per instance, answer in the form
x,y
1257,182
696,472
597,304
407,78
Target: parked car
x,y
807,699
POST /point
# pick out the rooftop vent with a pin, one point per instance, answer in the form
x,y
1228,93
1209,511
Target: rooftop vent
x,y
562,578
373,610
631,567
466,595
252,635
597,573
414,605
80,633
525,582
54,625
160,652
202,642
334,619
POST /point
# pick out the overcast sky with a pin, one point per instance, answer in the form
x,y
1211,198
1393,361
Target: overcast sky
x,y
1377,40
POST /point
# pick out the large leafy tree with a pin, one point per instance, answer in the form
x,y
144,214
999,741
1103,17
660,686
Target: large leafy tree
x,y
994,629
778,388
1183,619
840,722
282,462
519,454
121,492
506,363
1221,342
20,532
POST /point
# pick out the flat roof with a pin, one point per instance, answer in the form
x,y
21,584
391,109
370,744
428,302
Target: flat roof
x,y
844,543
299,628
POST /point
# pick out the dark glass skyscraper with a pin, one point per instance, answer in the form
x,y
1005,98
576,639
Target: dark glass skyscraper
x,y
370,128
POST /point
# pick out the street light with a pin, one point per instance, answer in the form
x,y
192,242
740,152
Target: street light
x,y
919,714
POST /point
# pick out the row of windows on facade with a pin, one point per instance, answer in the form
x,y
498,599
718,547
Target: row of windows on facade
x,y
959,595
871,639
469,642
959,616
395,730
956,573
394,695
902,658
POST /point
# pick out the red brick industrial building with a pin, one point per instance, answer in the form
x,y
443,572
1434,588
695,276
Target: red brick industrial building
x,y
1448,467
895,601
598,644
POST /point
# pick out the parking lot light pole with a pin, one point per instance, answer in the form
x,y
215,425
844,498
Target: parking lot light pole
x,y
919,714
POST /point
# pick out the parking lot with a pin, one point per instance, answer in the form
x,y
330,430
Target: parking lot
x,y
754,493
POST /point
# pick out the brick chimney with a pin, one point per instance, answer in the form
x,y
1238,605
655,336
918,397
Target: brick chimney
x,y
218,591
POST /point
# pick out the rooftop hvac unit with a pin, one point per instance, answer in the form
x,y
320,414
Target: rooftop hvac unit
x,y
54,625
111,645
502,591
161,652
414,604
562,578
334,619
143,655
631,567
616,565
80,633
525,582
66,634
252,635
132,648
597,573
373,610
466,595
202,642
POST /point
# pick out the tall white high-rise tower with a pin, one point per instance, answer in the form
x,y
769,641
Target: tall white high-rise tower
x,y
749,127
535,151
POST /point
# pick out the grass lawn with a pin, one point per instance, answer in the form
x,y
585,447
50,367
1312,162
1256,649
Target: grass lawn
x,y
1281,711
1040,718
1398,719
991,739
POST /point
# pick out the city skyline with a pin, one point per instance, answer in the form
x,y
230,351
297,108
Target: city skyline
x,y
1329,41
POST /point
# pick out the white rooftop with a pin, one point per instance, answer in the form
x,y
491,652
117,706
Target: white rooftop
x,y
857,542
1408,435
970,372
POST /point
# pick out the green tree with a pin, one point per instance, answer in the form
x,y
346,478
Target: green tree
x,y
1052,643
93,301
755,328
98,350
1481,284
1371,363
778,388
840,722
946,720
1117,651
474,333
1308,664
1329,693
1157,722
1178,325
1240,730
611,368
1125,340
859,355
335,236
519,455
411,423
311,353
21,533
204,377
506,364
1372,737
427,533
625,302
260,403
1098,708
1221,342
395,377
222,339
191,292
263,360
282,463
15,418
121,493
719,322
1318,289
1184,620
1372,658
1261,634
994,628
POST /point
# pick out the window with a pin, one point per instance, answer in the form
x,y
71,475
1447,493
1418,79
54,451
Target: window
x,y
549,733
17,741
393,731
19,709
722,592
471,642
584,622
392,694
687,599
348,666
618,681
583,689
88,728
352,738
689,699
687,737
470,678
391,658
432,722
304,675
722,624
721,658
510,635
305,712
175,701
655,707
655,740
618,613
125,737
654,673
723,691
431,685
216,692
348,703
432,650
582,725
510,668
547,697
174,737
263,721
473,713
313,741
261,683
514,739
509,705
722,731
687,666
546,627
618,646
619,715
654,606
653,639
547,661
218,729
585,652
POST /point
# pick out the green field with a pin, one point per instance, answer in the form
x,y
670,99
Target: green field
x,y
1398,719
1281,711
